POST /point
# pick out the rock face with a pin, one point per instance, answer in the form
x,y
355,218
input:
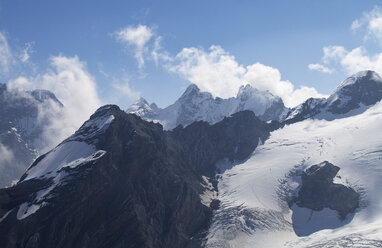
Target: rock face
x,y
21,126
318,191
195,105
130,185
353,96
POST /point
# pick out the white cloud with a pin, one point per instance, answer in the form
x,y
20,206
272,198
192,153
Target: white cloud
x,y
333,53
372,22
158,54
137,38
218,72
76,89
352,61
21,83
6,58
70,81
320,68
357,59
26,53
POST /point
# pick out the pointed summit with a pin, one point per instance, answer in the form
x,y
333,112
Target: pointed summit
x,y
142,108
191,89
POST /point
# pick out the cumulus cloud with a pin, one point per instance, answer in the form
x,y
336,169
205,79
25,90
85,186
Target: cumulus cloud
x,y
218,72
356,59
320,68
6,58
69,79
372,22
136,37
353,61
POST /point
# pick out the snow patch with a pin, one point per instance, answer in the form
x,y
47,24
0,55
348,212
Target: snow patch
x,y
65,154
209,193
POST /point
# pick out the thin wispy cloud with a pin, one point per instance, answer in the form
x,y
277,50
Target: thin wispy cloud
x,y
6,57
136,39
371,23
27,51
320,68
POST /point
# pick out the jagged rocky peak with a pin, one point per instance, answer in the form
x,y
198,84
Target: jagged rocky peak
x,y
192,89
193,93
121,181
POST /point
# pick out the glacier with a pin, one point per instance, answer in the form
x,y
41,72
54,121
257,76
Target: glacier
x,y
253,186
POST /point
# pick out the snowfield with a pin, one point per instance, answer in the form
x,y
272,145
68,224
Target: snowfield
x,y
254,211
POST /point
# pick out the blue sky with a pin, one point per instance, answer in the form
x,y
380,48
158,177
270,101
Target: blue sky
x,y
211,43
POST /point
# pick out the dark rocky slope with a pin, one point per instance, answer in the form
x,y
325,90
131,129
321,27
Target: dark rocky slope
x,y
143,192
318,191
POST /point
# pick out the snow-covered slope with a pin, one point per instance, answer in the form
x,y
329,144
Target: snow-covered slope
x,y
195,105
255,193
353,96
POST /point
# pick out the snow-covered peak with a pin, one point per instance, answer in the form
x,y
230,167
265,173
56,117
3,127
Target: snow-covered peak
x,y
195,105
353,96
361,76
248,90
248,93
140,103
142,108
191,90
361,89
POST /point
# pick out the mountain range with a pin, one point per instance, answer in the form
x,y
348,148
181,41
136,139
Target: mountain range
x,y
195,105
210,172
